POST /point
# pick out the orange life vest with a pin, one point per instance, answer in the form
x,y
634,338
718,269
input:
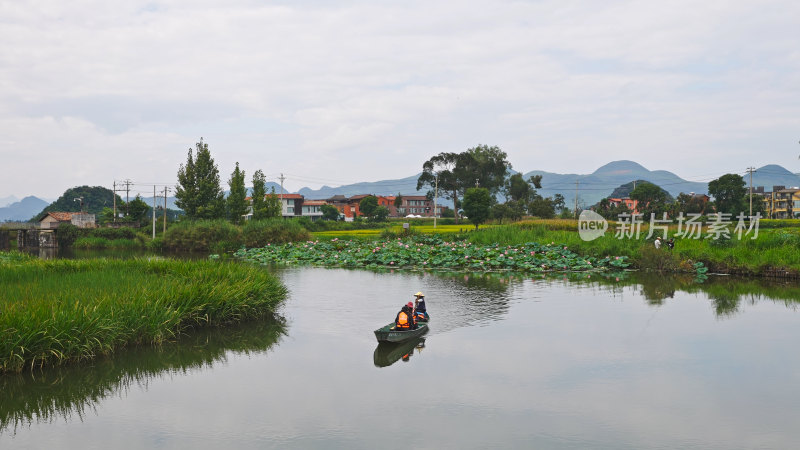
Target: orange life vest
x,y
402,320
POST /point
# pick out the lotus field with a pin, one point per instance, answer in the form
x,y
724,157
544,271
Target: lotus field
x,y
431,252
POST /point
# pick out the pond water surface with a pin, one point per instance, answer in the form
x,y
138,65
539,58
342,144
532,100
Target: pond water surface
x,y
509,362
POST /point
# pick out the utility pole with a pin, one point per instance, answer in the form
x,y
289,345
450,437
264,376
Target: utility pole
x,y
576,198
127,196
115,201
435,196
154,211
166,189
282,178
751,170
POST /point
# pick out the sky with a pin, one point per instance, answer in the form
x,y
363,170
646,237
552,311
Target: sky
x,y
333,93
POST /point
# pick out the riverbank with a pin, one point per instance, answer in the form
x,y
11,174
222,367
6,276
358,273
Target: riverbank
x,y
774,253
61,311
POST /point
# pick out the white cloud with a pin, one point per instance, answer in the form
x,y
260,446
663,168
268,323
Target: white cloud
x,y
361,91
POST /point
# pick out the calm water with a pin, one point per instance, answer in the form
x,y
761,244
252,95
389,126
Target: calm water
x,y
508,363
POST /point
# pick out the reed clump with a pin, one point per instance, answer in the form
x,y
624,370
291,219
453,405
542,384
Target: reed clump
x,y
60,311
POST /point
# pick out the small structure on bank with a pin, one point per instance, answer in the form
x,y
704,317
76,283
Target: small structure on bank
x,y
80,219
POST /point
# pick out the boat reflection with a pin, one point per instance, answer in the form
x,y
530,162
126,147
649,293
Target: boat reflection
x,y
388,353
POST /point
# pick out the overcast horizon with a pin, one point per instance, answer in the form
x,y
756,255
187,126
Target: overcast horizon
x,y
355,91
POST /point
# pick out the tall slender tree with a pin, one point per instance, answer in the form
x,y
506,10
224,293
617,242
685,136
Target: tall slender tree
x,y
186,190
235,204
259,194
198,191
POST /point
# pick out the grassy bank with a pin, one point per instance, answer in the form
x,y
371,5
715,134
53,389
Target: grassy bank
x,y
59,311
776,251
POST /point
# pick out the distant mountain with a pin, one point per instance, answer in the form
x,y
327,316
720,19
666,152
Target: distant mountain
x,y
773,175
5,201
404,186
22,210
602,182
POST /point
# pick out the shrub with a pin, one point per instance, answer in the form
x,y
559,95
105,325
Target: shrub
x,y
258,233
200,235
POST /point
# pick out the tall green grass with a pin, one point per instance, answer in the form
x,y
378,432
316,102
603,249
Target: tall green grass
x,y
59,311
773,251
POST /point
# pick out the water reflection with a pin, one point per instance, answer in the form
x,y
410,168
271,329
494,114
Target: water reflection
x,y
70,392
387,353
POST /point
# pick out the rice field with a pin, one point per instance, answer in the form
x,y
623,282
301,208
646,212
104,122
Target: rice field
x,y
61,311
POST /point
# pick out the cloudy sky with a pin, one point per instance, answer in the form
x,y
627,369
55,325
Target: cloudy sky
x,y
341,92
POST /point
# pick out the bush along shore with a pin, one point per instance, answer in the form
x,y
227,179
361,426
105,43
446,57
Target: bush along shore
x,y
60,311
430,252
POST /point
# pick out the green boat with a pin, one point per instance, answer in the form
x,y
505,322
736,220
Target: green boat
x,y
389,334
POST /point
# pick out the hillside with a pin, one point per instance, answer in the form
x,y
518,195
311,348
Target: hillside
x,y
602,182
95,198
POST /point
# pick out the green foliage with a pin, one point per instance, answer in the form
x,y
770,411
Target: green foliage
x,y
272,205
477,204
200,235
259,193
61,311
137,210
652,199
258,233
235,204
329,212
380,214
730,194
367,205
542,207
198,192
66,234
426,251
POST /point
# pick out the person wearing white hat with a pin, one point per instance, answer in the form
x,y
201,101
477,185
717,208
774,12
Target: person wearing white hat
x,y
420,310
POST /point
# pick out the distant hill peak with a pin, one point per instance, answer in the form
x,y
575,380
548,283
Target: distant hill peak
x,y
621,167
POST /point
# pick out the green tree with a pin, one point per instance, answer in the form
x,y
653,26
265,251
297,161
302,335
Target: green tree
x,y
439,171
501,211
483,166
272,205
235,204
518,188
368,205
259,195
379,214
329,212
730,194
651,199
477,205
198,191
398,201
558,203
137,210
542,207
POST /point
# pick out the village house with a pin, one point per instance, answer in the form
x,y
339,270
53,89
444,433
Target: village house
x,y
781,203
629,203
80,219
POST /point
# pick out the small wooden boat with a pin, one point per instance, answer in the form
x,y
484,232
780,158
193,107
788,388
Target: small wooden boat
x,y
388,333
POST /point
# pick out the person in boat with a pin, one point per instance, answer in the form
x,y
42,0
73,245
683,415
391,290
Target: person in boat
x,y
420,311
405,318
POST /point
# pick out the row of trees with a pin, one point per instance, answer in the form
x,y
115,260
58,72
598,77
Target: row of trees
x,y
200,196
729,192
